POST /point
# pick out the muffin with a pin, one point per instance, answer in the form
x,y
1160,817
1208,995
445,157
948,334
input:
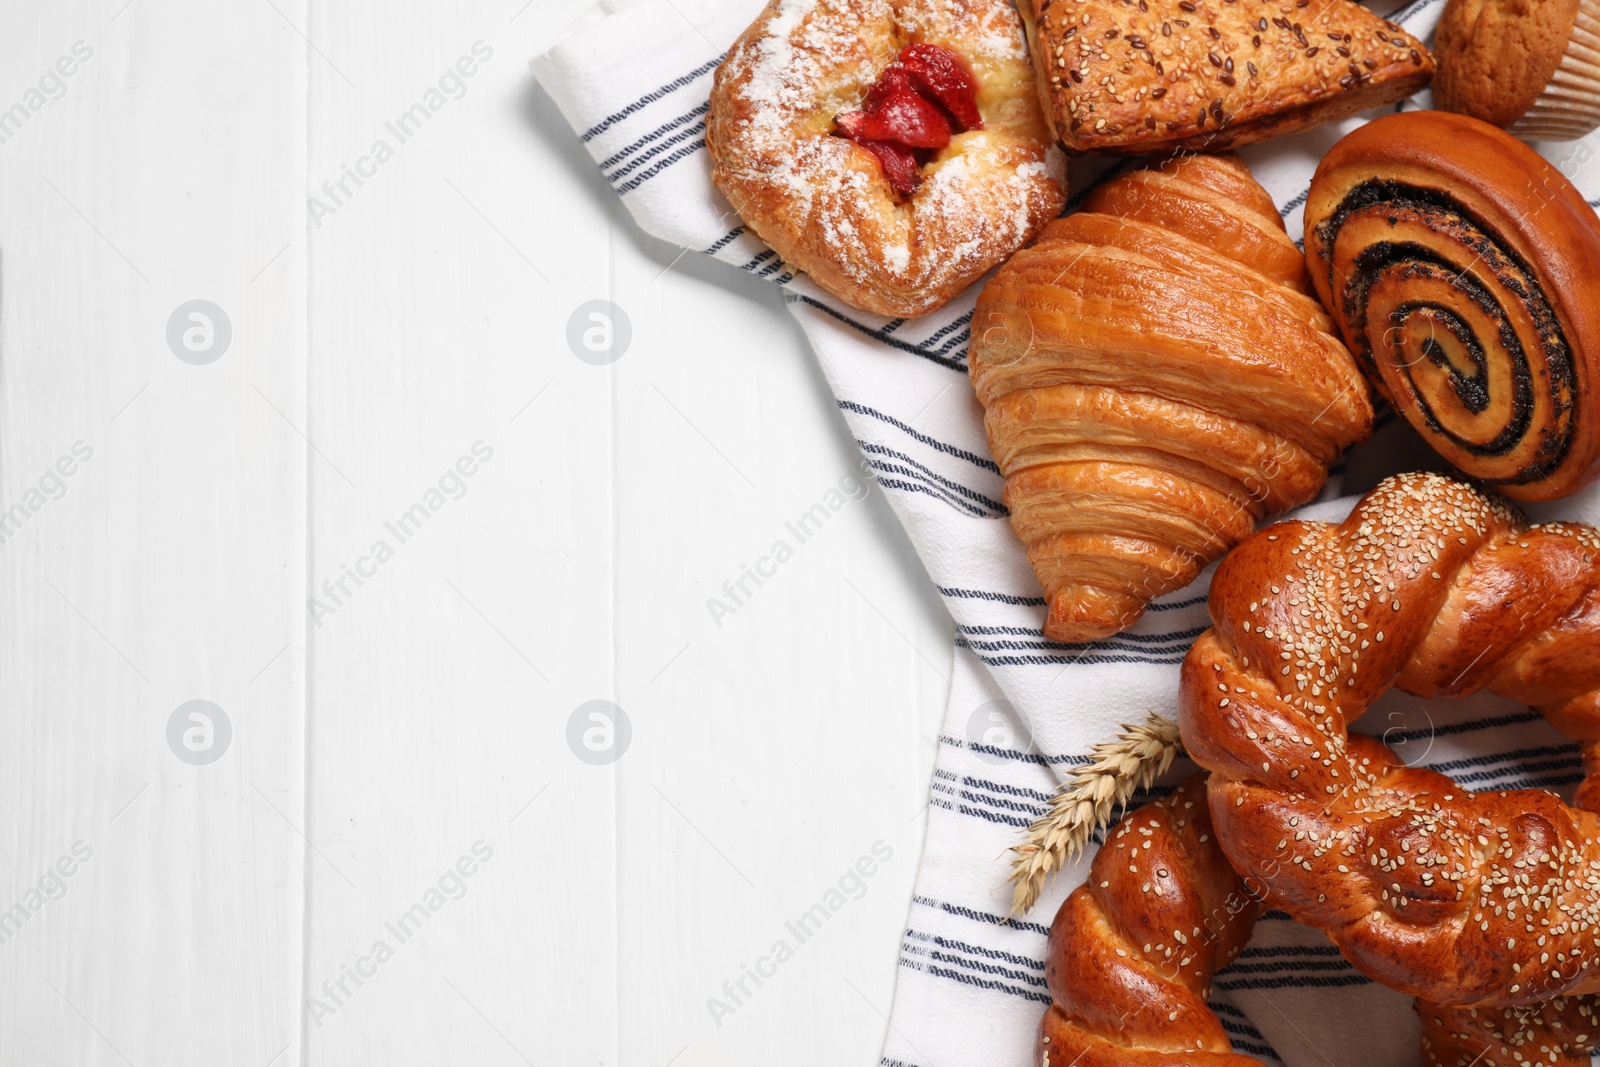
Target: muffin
x,y
1529,66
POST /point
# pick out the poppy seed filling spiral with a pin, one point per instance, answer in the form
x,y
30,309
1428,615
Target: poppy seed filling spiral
x,y
1458,265
1429,333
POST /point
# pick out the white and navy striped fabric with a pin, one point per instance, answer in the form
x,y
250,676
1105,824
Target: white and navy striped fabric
x,y
632,77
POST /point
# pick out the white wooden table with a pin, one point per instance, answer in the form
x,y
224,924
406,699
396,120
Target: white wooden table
x,y
399,739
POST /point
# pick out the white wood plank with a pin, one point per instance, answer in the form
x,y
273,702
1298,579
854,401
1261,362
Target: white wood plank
x,y
167,171
441,693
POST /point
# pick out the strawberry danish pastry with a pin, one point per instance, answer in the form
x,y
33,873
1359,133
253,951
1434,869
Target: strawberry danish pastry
x,y
895,150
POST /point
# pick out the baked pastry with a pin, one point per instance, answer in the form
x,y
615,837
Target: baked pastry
x,y
1205,74
1156,378
1530,66
1129,976
1133,951
1461,269
894,174
1480,900
1552,1033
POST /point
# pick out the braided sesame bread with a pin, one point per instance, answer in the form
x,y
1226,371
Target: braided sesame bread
x,y
1434,587
894,150
1552,1033
1133,951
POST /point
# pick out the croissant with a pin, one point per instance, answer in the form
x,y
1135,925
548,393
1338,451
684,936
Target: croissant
x,y
1156,379
1133,950
1480,900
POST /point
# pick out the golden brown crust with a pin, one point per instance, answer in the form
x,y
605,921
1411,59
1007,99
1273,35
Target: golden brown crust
x,y
1240,220
1431,237
1472,899
822,201
1209,74
1155,380
1133,949
1553,1033
1496,56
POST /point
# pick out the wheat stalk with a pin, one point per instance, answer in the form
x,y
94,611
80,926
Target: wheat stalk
x,y
1138,756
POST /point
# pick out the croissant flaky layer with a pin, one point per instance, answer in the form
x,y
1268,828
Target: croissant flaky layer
x,y
1156,378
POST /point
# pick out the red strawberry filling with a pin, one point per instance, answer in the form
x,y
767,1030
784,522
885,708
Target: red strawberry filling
x,y
943,75
918,102
895,110
900,165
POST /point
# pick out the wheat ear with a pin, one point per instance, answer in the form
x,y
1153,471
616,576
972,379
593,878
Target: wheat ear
x,y
1138,756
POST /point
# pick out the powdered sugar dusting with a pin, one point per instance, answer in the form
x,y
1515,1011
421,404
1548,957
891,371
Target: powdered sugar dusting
x,y
786,63
823,201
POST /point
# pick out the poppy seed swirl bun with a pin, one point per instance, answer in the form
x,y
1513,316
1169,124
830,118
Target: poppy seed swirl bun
x,y
1461,266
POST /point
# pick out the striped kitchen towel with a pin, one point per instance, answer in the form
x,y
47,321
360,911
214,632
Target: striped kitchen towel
x,y
632,77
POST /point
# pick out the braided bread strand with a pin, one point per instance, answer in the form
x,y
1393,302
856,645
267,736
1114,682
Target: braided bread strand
x,y
1129,986
1133,949
1558,1033
1455,897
